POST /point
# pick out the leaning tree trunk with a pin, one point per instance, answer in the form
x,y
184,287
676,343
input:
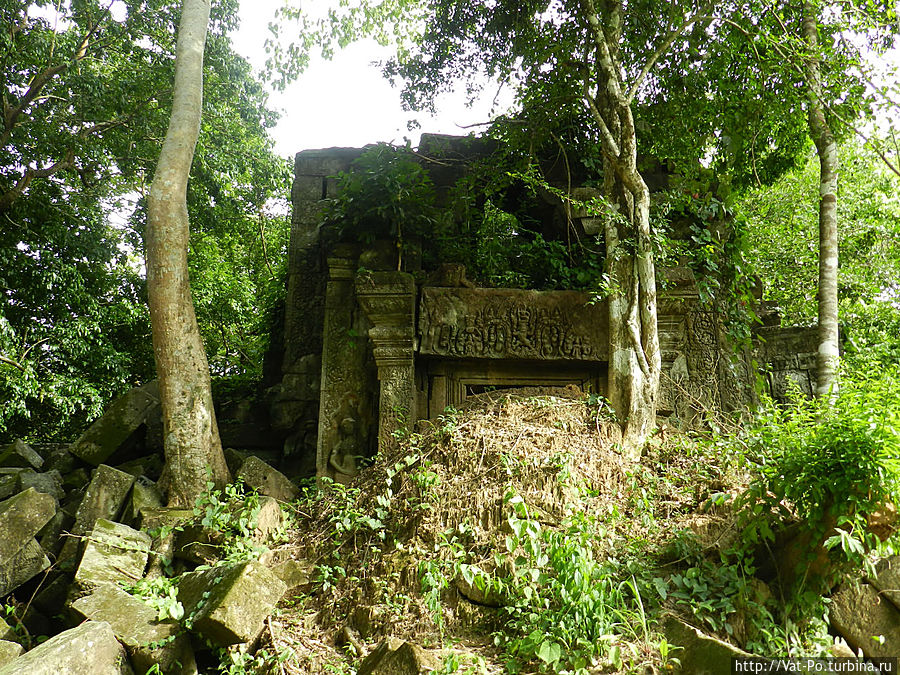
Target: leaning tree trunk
x,y
828,355
191,437
634,358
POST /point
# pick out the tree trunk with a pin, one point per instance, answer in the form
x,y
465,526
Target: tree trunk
x,y
634,358
193,450
828,355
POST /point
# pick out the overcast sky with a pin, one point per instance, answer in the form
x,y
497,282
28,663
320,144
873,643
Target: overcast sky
x,y
343,102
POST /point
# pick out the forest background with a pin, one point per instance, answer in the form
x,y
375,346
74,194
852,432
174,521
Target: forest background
x,y
80,151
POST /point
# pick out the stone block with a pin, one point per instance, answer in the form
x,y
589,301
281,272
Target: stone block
x,y
7,632
397,657
62,460
118,423
149,466
136,626
887,579
51,599
89,649
49,482
229,603
144,495
296,574
9,651
9,485
21,518
866,619
700,654
104,498
50,536
259,476
21,454
112,553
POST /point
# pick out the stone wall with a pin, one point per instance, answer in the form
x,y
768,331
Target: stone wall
x,y
369,349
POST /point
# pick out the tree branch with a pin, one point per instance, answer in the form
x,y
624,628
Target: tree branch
x,y
664,47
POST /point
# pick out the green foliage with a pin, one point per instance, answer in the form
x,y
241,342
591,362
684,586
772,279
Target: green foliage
x,y
161,593
75,162
782,233
232,515
387,195
830,466
565,602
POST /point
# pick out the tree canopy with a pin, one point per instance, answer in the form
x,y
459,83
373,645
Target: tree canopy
x,y
86,90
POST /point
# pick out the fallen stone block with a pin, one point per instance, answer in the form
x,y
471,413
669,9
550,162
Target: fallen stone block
x,y
117,425
51,599
51,536
89,649
7,632
149,466
104,498
28,562
21,517
397,657
144,495
112,553
887,579
296,574
9,485
229,603
162,524
866,619
49,482
21,454
148,641
9,651
259,476
700,654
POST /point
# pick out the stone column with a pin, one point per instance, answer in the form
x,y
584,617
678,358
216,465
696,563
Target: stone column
x,y
388,299
343,401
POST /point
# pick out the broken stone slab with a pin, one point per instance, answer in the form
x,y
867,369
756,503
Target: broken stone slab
x,y
9,651
397,657
148,641
162,524
112,553
9,485
259,476
51,599
7,632
88,649
296,574
21,517
269,519
50,536
700,654
21,454
104,498
229,603
48,482
118,423
144,495
149,466
866,619
28,562
887,579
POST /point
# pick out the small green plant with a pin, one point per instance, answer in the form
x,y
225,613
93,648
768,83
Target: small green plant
x,y
161,593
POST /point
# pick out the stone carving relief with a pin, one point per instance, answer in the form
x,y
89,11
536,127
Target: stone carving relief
x,y
505,324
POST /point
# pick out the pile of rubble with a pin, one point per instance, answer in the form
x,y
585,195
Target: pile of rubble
x,y
79,522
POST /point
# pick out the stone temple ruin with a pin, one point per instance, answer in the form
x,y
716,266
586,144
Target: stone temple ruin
x,y
369,349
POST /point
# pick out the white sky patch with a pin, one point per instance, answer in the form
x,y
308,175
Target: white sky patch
x,y
346,102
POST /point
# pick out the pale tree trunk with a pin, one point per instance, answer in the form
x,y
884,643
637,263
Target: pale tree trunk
x,y
828,355
634,358
191,437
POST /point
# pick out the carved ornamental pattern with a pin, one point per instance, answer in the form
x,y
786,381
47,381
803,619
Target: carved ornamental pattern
x,y
512,324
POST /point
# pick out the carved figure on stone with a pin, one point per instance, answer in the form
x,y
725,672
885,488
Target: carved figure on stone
x,y
347,450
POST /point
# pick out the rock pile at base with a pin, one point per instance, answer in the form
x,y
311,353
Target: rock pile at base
x,y
75,529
